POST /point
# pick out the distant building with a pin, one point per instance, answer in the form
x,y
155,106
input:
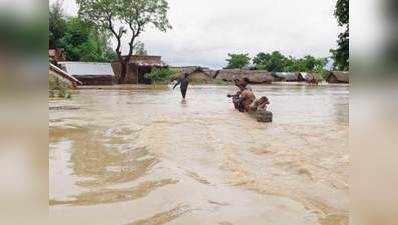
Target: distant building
x,y
288,76
138,66
90,73
254,76
338,77
196,74
56,55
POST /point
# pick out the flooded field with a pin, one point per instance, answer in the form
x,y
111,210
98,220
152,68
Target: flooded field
x,y
138,156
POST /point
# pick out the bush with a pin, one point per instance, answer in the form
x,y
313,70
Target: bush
x,y
58,88
159,74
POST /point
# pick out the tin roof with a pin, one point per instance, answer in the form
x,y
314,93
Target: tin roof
x,y
88,68
64,74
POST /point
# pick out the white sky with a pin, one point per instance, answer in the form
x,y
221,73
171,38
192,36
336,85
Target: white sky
x,y
205,31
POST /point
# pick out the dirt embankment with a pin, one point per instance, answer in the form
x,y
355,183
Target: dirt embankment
x,y
207,76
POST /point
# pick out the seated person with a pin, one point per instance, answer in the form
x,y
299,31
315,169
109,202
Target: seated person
x,y
244,97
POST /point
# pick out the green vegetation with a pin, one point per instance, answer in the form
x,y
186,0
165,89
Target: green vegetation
x,y
342,53
277,62
58,88
80,39
159,74
237,61
114,16
220,82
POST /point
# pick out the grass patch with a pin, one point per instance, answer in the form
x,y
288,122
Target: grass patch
x,y
57,88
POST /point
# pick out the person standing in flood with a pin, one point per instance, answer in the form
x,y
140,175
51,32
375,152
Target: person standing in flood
x,y
183,82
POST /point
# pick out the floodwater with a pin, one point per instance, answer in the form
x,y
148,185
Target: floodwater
x,y
128,156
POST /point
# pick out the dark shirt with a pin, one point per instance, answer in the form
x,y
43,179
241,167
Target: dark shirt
x,y
183,82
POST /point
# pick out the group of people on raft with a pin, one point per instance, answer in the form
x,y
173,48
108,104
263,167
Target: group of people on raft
x,y
244,99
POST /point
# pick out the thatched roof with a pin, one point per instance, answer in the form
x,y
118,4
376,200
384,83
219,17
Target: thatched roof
x,y
92,69
338,77
254,76
288,76
57,71
195,73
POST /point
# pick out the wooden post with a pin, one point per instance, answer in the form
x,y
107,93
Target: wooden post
x,y
138,76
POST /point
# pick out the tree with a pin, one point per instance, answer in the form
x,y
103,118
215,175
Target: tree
x,y
277,62
159,74
237,61
133,14
56,25
82,42
274,62
139,49
341,54
80,39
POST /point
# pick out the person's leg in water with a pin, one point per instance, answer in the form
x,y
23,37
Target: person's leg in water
x,y
183,93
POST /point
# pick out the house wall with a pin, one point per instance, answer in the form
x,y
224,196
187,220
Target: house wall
x,y
332,79
96,80
133,73
131,77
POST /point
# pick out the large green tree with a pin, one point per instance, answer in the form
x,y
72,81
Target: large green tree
x,y
116,16
277,62
273,62
82,42
80,39
341,54
237,61
56,25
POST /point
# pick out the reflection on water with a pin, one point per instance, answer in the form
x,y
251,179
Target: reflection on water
x,y
140,156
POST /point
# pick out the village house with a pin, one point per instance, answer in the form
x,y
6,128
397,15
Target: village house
x,y
288,76
254,76
197,74
56,55
90,73
138,66
338,77
71,81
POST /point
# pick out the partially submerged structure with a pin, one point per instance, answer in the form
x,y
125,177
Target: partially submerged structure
x,y
288,77
63,76
196,74
338,77
90,73
138,66
254,76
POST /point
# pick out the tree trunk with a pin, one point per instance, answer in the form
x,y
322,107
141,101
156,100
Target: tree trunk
x,y
123,72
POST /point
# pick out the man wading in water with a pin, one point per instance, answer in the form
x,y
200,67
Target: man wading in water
x,y
183,82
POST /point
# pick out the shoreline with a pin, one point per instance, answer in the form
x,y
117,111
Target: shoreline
x,y
162,86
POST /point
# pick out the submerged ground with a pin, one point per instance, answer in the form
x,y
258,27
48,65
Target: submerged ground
x,y
134,156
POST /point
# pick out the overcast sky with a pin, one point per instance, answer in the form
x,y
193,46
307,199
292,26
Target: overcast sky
x,y
205,31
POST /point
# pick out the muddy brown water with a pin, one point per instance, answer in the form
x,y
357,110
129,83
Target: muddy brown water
x,y
139,156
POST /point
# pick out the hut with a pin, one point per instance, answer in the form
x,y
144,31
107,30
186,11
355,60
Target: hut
x,y
288,77
138,66
56,55
64,76
254,76
338,77
196,74
90,73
